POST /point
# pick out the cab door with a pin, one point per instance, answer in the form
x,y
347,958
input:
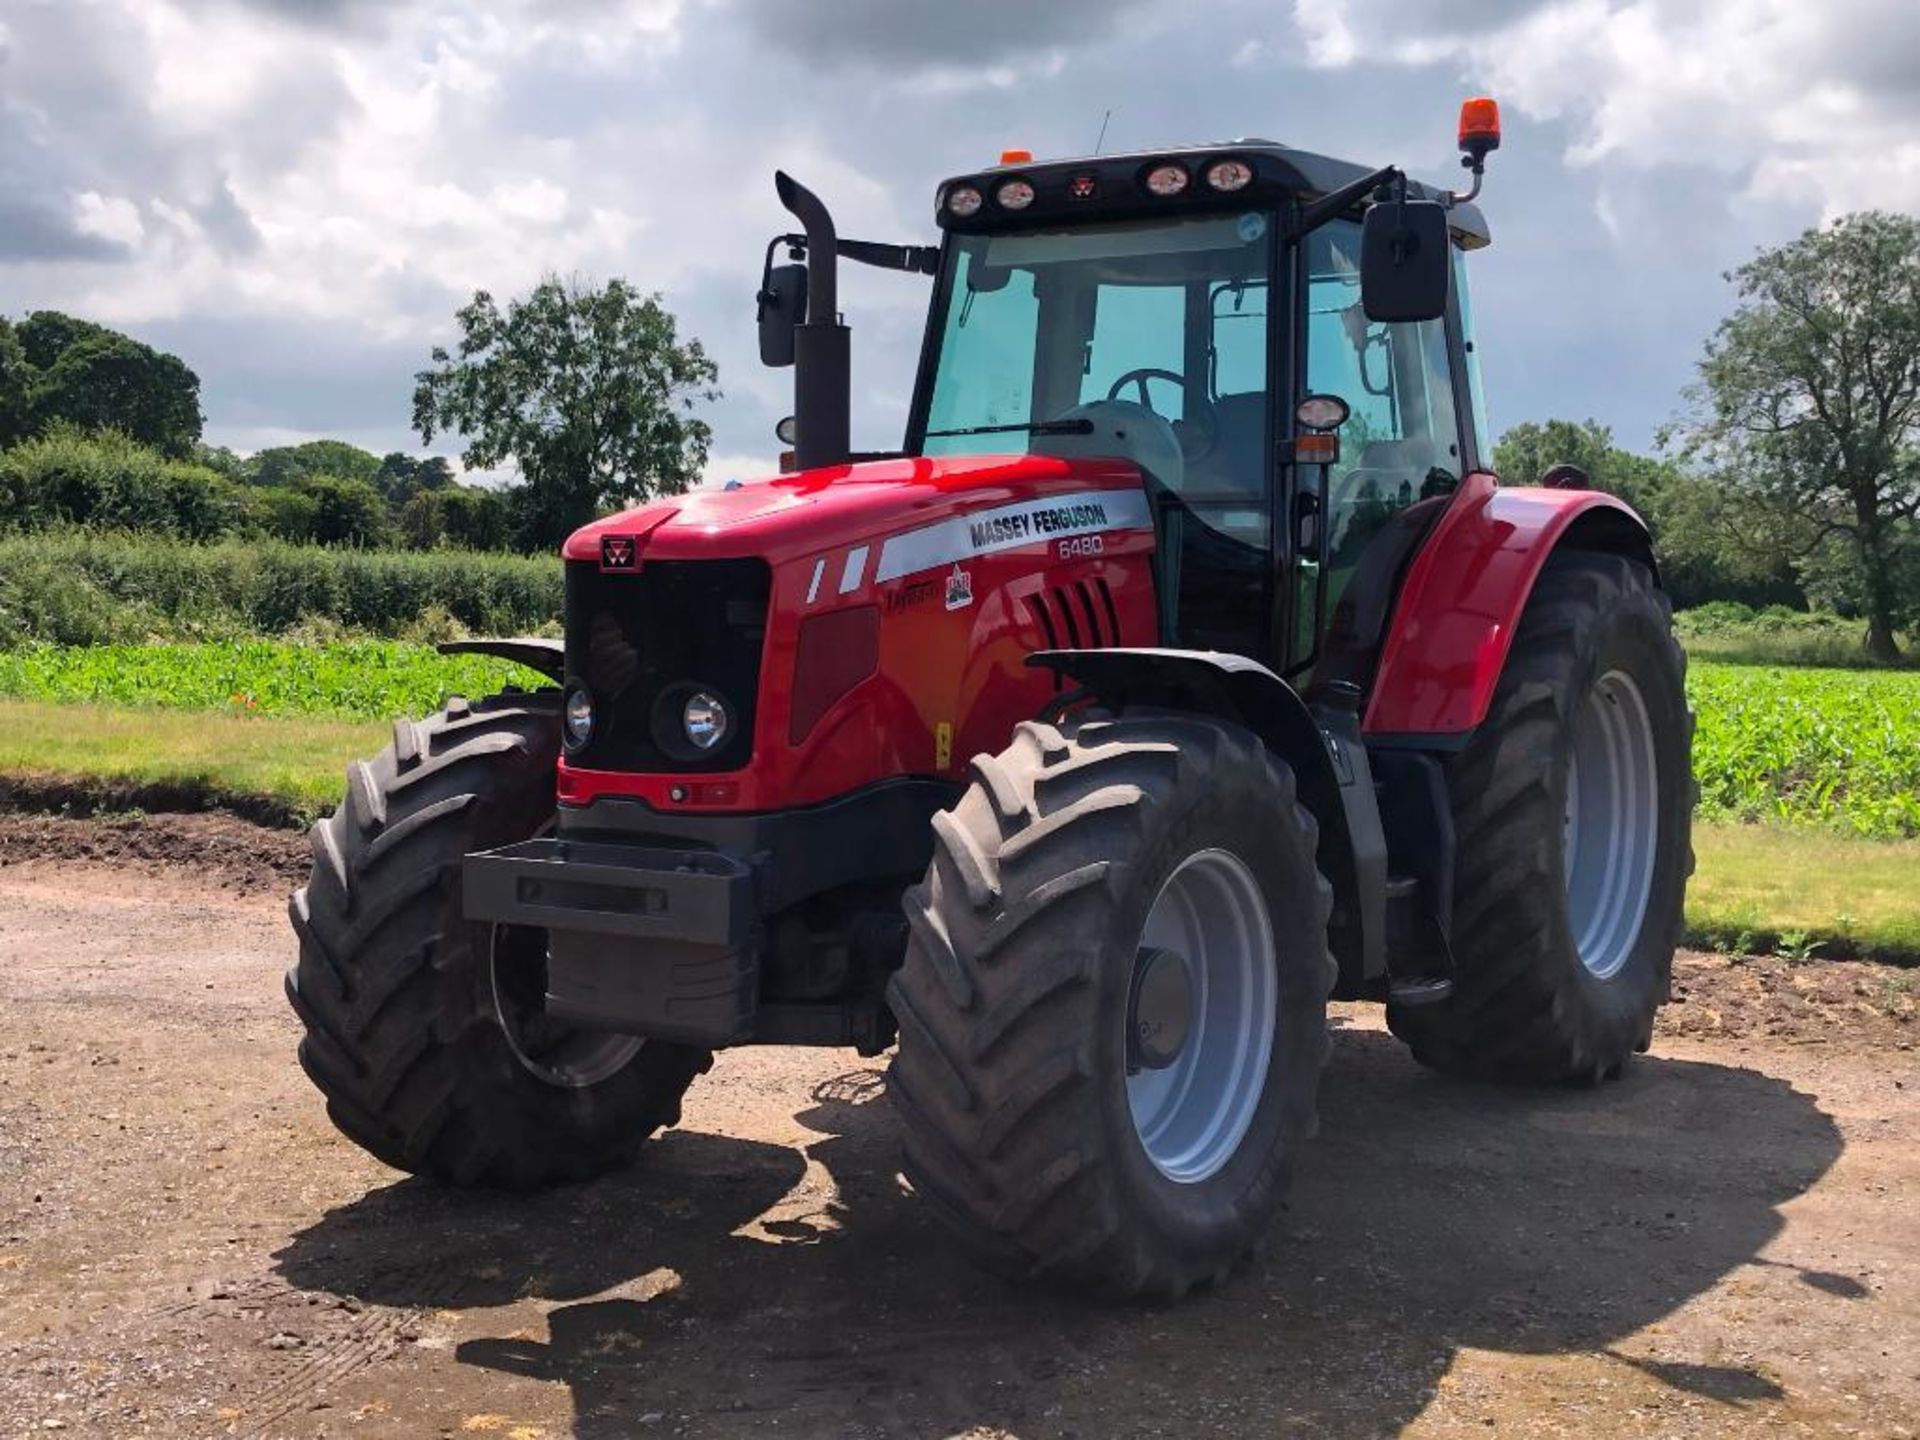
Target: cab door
x,y
1403,442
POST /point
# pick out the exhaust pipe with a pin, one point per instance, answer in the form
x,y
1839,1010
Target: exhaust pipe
x,y
822,351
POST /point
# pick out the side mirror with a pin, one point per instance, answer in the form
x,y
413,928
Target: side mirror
x,y
783,305
1405,267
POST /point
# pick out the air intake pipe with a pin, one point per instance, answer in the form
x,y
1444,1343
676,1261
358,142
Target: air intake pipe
x,y
822,351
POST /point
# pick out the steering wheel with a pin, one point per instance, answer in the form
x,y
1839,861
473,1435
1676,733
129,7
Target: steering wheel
x,y
1198,430
1139,378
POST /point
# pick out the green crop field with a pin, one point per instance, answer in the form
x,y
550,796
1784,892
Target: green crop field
x,y
354,679
1836,748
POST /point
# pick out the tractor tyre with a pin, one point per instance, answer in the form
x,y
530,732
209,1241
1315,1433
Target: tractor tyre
x,y
1112,1009
1572,812
425,1031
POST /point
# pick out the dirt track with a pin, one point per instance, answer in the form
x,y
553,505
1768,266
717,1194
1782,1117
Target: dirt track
x,y
1727,1242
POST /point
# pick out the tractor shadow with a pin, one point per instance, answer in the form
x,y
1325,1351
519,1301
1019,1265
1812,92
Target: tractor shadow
x,y
727,1286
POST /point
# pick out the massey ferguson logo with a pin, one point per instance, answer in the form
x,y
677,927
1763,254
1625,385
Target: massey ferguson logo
x,y
616,552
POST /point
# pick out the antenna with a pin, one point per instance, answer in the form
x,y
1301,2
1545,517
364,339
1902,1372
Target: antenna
x,y
1103,131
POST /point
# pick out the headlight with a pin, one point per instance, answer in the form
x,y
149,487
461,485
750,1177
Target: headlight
x,y
579,717
964,200
1014,195
705,719
1229,175
1167,180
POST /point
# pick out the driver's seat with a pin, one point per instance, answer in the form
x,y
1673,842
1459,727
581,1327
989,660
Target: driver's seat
x,y
1231,467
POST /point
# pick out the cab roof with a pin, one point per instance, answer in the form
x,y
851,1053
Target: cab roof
x,y
1114,187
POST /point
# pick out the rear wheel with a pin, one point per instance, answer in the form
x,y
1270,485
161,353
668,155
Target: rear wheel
x,y
1572,809
427,1033
1113,1007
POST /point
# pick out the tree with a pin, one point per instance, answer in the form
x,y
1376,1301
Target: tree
x,y
106,381
16,386
462,516
402,476
1808,404
589,392
289,464
347,511
46,335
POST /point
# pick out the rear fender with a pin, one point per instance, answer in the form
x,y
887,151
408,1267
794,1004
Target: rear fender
x,y
1332,775
1454,621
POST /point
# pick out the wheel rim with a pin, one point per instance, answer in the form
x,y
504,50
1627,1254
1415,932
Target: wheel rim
x,y
1192,1109
564,1056
1612,823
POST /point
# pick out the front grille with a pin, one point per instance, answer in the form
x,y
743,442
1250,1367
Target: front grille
x,y
642,640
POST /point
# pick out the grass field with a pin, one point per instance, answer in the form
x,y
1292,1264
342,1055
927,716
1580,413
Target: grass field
x,y
279,771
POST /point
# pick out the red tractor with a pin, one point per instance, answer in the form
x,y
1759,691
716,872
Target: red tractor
x,y
1185,667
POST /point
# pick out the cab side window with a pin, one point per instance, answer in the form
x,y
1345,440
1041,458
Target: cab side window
x,y
1402,442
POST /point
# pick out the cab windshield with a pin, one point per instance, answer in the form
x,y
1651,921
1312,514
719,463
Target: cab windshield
x,y
1144,341
1044,332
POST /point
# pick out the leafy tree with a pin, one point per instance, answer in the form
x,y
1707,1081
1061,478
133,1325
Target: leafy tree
x,y
46,335
402,476
463,517
347,511
289,464
589,392
1808,405
106,381
282,512
222,461
16,386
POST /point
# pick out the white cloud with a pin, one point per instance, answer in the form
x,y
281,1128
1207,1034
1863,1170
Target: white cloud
x,y
108,217
1774,94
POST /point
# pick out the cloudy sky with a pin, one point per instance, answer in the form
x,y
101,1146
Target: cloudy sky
x,y
295,195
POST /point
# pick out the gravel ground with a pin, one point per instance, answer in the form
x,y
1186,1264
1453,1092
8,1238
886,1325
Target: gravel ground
x,y
1727,1242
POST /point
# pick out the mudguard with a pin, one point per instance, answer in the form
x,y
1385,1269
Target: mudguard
x,y
546,656
1460,605
1330,769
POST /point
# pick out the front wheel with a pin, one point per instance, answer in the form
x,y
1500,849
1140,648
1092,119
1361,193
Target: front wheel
x,y
1572,808
1113,1007
426,1032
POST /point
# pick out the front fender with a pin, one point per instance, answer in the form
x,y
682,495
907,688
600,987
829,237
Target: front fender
x,y
1331,772
1454,621
546,656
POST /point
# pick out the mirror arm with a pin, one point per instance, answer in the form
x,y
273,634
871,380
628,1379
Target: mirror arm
x,y
914,259
1318,212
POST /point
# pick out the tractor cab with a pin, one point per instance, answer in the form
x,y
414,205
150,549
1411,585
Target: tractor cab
x,y
1174,309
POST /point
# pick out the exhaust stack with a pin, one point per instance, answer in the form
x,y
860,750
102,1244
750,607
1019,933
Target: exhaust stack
x,y
822,356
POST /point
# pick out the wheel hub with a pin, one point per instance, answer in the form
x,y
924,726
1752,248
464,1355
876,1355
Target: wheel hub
x,y
564,1056
1610,827
1200,1016
1159,1009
